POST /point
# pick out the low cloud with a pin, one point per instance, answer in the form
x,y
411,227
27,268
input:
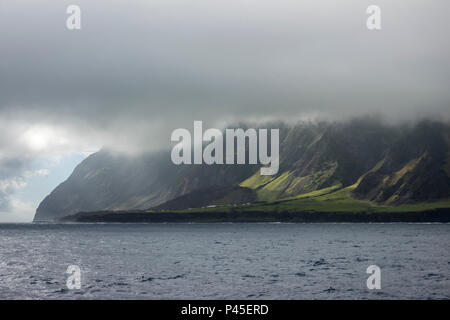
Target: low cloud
x,y
7,188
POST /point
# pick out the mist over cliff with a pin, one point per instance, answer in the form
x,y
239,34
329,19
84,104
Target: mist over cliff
x,y
386,164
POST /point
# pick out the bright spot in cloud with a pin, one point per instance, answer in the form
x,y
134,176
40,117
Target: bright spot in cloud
x,y
43,138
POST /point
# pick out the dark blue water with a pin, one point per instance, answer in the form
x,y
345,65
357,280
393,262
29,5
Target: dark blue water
x,y
225,261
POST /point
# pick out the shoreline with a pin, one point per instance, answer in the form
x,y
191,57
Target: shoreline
x,y
441,215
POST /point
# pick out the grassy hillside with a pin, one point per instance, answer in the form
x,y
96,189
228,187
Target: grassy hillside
x,y
331,199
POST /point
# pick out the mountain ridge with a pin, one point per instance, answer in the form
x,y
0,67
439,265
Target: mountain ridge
x,y
385,165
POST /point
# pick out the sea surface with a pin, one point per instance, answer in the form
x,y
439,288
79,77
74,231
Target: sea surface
x,y
224,261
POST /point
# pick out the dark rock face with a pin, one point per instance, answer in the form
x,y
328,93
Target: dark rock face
x,y
338,152
105,181
413,169
392,165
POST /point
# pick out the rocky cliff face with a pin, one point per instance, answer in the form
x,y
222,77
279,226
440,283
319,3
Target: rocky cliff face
x,y
414,168
108,181
387,164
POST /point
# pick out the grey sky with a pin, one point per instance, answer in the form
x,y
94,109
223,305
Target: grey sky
x,y
139,69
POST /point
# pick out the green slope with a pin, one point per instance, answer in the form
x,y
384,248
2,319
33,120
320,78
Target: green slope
x,y
331,199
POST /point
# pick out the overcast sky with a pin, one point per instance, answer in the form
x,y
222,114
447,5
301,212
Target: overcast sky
x,y
139,69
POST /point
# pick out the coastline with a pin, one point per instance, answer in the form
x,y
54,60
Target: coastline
x,y
437,215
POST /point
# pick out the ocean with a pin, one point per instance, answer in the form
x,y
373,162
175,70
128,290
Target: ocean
x,y
224,261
